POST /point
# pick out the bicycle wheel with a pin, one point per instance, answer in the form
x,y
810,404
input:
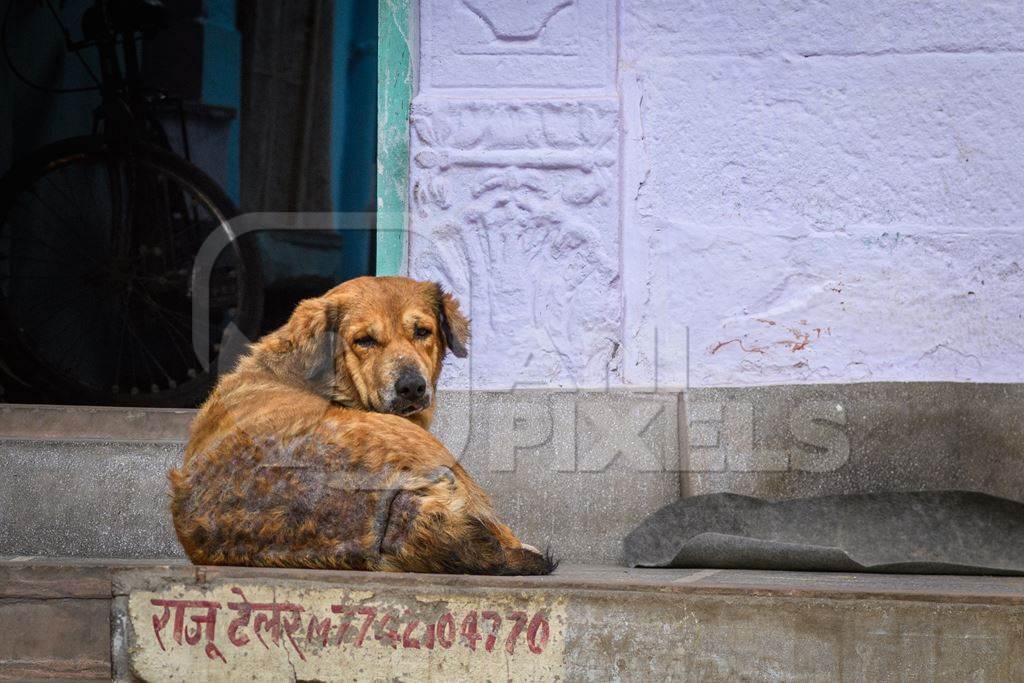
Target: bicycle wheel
x,y
97,246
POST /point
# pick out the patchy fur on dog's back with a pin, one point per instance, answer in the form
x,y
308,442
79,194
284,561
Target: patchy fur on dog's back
x,y
314,452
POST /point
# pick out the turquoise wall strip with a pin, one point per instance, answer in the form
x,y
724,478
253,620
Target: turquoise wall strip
x,y
394,94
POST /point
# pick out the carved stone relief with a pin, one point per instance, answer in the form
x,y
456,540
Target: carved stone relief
x,y
527,43
515,208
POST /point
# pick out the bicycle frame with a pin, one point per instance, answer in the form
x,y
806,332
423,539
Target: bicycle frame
x,y
126,113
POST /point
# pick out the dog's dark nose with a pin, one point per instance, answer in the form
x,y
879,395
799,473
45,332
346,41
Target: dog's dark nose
x,y
410,385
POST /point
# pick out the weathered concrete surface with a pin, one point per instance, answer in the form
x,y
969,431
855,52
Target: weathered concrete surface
x,y
87,498
576,471
601,624
573,471
797,441
55,618
54,639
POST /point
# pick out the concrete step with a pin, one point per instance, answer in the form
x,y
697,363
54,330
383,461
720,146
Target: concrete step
x,y
573,470
92,482
159,621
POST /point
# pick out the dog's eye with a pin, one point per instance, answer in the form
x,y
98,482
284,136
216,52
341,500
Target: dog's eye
x,y
421,332
366,342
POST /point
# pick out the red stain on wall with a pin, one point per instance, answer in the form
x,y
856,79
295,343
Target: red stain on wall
x,y
753,349
801,339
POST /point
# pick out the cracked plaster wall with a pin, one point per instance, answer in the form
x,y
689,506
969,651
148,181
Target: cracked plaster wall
x,y
796,192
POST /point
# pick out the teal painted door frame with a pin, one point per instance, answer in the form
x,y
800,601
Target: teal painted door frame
x,y
395,29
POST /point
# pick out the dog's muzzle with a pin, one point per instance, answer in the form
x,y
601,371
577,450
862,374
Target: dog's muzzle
x,y
411,392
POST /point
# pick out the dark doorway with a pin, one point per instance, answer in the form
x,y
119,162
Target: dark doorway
x,y
135,130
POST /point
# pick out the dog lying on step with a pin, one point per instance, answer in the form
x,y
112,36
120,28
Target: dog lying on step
x,y
315,452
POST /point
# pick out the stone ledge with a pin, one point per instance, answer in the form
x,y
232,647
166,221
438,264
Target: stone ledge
x,y
573,470
602,623
93,423
576,470
582,623
792,441
995,590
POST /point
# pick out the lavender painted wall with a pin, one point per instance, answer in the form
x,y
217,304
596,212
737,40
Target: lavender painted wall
x,y
808,192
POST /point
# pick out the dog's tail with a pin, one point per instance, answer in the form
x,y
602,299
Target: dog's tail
x,y
448,526
464,545
489,547
527,561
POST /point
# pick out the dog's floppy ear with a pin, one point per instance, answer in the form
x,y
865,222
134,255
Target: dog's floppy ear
x,y
304,347
454,326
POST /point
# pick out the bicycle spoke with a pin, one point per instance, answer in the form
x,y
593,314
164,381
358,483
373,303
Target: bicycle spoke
x,y
93,201
53,249
59,191
69,195
68,348
56,250
56,308
64,222
114,184
67,341
25,208
176,333
97,325
85,239
163,310
170,311
195,228
145,348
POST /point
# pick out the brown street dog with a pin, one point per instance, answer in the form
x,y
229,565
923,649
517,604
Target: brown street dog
x,y
315,452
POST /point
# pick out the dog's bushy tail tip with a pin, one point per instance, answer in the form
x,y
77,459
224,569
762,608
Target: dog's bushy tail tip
x,y
529,562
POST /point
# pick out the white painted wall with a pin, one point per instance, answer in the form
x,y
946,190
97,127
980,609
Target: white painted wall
x,y
808,191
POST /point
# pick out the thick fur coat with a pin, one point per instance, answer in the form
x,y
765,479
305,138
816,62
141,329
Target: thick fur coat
x,y
315,452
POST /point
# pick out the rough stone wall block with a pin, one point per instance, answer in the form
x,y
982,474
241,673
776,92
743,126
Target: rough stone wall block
x,y
823,192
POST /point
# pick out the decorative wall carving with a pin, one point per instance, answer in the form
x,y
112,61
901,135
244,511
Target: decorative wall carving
x,y
515,207
516,22
560,44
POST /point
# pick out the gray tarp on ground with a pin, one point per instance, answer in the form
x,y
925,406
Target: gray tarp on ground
x,y
925,532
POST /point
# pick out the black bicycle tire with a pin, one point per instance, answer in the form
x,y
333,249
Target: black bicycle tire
x,y
250,309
